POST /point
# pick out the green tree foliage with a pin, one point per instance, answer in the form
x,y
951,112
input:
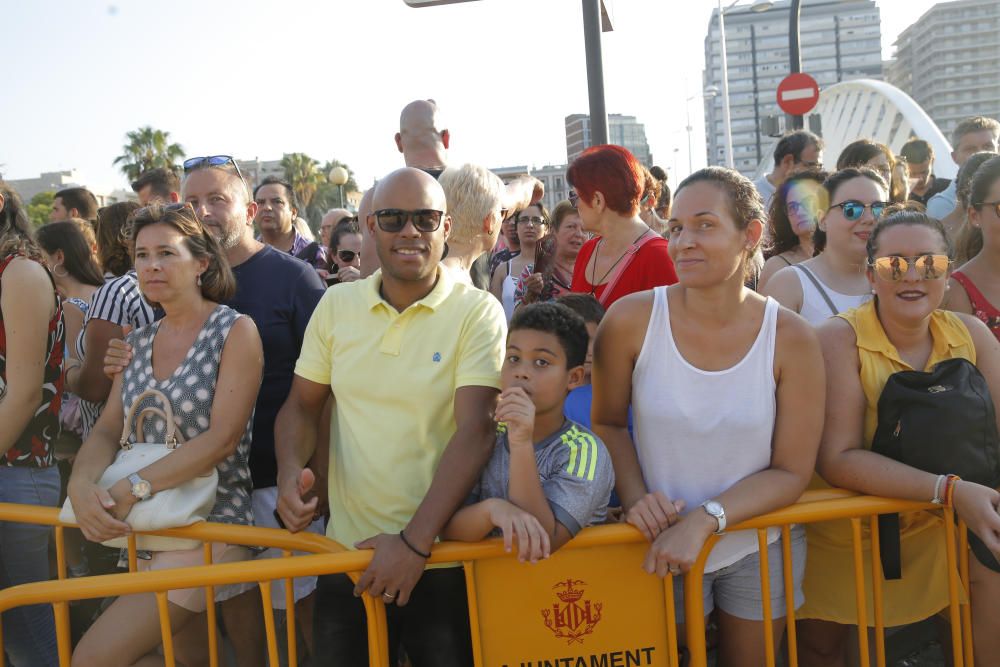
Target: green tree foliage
x,y
304,175
147,149
40,207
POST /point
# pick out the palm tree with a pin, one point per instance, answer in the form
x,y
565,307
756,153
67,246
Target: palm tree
x,y
147,149
301,171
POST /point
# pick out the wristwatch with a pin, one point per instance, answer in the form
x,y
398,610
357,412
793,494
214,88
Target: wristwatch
x,y
141,489
714,508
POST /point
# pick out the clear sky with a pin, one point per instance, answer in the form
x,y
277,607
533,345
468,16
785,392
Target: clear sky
x,y
328,77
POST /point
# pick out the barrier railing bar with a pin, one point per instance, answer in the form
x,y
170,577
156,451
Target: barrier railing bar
x,y
668,596
694,612
469,568
789,578
953,612
876,555
210,625
963,564
269,630
765,595
290,636
133,554
60,610
859,592
166,635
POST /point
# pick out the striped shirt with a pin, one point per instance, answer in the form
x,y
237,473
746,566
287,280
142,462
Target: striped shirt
x,y
120,302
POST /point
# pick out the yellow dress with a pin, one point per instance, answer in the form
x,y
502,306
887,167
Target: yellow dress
x,y
923,589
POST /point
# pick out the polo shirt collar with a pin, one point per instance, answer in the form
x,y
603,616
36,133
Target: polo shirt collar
x,y
442,290
871,336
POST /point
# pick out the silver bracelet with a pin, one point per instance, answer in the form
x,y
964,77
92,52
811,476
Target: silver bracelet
x,y
938,500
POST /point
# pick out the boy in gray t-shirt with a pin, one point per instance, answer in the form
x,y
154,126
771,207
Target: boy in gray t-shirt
x,y
548,477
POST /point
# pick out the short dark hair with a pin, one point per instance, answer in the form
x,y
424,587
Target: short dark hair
x,y
164,181
82,199
346,226
274,180
858,153
560,321
794,143
973,124
584,305
916,151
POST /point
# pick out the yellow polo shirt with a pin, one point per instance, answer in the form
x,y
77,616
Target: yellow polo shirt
x,y
394,377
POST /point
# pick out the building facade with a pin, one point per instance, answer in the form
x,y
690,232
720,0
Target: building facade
x,y
553,177
949,59
54,181
840,40
624,131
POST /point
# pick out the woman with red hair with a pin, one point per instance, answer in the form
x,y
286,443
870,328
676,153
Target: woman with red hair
x,y
626,256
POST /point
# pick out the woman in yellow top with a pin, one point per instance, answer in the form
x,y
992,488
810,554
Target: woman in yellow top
x,y
901,329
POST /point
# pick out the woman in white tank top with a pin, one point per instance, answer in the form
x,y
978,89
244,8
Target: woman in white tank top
x,y
834,281
727,391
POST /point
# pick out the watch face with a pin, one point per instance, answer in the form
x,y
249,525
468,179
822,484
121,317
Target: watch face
x,y
141,489
714,508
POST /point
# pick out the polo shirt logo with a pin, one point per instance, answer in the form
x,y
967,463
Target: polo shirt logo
x,y
437,357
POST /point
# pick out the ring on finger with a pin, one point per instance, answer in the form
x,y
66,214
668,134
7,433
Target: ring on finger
x,y
674,569
388,597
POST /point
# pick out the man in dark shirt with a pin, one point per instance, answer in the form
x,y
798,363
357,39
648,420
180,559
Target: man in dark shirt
x,y
919,156
279,293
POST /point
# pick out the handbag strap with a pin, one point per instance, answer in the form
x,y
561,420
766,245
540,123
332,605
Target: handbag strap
x,y
819,287
626,260
138,415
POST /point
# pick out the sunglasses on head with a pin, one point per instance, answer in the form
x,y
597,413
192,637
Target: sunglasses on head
x,y
574,198
927,267
393,220
853,209
347,256
193,163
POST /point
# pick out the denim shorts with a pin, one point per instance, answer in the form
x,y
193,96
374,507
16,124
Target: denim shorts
x,y
736,590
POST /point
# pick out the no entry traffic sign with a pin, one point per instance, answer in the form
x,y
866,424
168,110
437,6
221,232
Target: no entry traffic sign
x,y
798,94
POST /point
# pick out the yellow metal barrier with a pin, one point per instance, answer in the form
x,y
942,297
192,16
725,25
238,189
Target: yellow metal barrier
x,y
590,604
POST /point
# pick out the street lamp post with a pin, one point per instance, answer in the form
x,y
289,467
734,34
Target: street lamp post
x,y
595,72
794,51
339,176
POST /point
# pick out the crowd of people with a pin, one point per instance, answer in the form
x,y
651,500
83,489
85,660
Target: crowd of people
x,y
453,361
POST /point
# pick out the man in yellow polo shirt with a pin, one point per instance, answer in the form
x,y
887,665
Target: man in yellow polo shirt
x,y
413,361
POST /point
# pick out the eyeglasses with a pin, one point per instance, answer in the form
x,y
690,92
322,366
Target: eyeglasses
x,y
994,204
810,164
534,220
574,198
894,269
193,163
853,209
393,220
347,256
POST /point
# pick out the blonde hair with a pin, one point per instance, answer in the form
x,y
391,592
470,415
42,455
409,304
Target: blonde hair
x,y
472,192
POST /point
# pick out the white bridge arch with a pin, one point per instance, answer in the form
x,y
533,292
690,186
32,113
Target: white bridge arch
x,y
870,109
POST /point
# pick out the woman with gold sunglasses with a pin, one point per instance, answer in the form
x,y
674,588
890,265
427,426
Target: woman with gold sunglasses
x,y
902,328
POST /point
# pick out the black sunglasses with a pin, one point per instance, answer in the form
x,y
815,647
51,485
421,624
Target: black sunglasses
x,y
193,163
574,198
393,220
347,256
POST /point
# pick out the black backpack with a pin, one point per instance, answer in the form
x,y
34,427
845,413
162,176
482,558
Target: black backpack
x,y
942,422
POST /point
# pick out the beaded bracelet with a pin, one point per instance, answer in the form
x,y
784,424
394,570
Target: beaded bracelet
x,y
412,548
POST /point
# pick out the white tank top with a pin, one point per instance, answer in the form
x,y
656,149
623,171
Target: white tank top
x,y
815,308
699,432
508,294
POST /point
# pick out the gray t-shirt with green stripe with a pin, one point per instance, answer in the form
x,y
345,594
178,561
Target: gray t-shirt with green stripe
x,y
575,470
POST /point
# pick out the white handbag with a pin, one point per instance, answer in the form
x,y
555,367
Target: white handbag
x,y
182,505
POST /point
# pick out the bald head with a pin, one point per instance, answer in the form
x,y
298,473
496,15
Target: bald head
x,y
409,189
421,139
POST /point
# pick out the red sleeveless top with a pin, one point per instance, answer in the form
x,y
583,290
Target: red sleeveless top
x,y
34,447
982,308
